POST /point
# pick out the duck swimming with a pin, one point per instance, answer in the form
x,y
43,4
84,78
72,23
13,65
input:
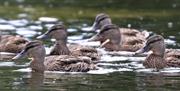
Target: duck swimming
x,y
67,63
13,44
128,35
111,39
159,58
59,32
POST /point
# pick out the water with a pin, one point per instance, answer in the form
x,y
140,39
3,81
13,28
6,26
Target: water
x,y
31,18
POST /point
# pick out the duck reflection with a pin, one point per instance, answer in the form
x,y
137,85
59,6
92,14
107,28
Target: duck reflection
x,y
158,81
148,81
36,81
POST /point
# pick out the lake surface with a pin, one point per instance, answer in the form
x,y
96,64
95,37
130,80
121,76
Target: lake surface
x,y
31,18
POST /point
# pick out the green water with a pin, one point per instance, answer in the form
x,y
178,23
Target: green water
x,y
159,16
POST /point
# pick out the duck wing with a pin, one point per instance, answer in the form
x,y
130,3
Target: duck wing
x,y
79,50
69,63
128,31
12,44
130,47
172,57
132,39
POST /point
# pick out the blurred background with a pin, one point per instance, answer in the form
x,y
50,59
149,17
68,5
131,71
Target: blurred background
x,y
31,18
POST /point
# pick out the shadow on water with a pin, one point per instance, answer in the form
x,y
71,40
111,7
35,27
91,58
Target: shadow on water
x,y
31,18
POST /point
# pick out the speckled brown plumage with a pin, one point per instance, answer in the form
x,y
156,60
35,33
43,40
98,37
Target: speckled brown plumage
x,y
132,36
129,47
59,32
131,39
66,63
80,50
14,44
154,61
118,42
160,57
172,57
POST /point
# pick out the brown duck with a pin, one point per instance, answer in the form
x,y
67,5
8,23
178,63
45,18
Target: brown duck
x,y
13,44
59,32
66,63
111,39
128,36
159,58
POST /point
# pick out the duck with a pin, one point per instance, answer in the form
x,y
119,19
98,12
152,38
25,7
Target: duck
x,y
59,32
111,39
128,35
66,63
160,56
11,43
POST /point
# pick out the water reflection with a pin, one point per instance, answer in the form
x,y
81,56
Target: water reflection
x,y
31,18
30,81
156,82
150,80
36,81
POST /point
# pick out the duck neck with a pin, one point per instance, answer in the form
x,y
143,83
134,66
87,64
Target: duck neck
x,y
159,50
112,47
37,64
62,48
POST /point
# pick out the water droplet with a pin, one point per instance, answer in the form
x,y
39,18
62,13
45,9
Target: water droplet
x,y
174,5
48,19
170,24
129,25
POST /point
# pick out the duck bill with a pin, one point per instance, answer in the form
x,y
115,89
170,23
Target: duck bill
x,y
94,38
104,43
20,55
142,50
94,26
44,36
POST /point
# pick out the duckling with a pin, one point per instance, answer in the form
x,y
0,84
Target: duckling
x,y
59,32
128,35
67,63
13,44
111,38
159,58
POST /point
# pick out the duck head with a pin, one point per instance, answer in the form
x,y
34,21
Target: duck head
x,y
33,49
36,51
154,43
109,36
101,20
57,32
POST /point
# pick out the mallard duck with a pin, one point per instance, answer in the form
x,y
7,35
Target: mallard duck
x,y
127,35
59,32
111,38
159,58
67,63
13,44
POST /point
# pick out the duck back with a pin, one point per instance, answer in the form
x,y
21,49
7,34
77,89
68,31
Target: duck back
x,y
12,44
154,61
79,50
68,63
172,57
